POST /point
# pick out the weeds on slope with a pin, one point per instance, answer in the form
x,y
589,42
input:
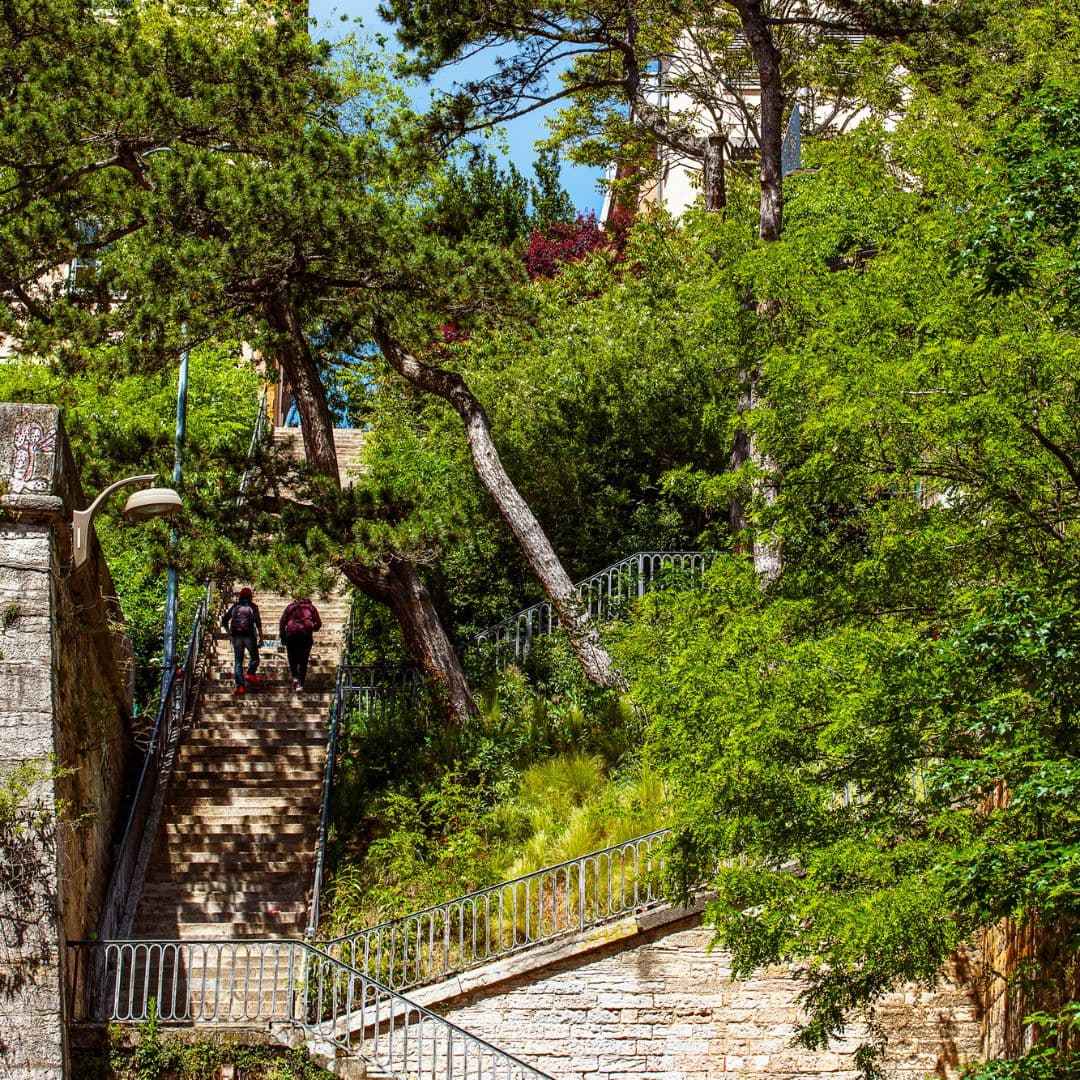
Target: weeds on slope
x,y
547,771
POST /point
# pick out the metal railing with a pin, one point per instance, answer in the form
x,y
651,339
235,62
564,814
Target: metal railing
x,y
278,982
359,690
336,707
605,595
257,433
122,895
502,919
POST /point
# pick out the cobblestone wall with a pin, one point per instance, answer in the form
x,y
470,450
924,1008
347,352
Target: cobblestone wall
x,y
64,712
665,1008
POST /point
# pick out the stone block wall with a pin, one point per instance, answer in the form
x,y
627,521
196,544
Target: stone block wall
x,y
663,1007
64,713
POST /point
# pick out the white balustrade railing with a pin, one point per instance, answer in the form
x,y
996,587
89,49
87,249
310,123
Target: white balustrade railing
x,y
285,983
482,926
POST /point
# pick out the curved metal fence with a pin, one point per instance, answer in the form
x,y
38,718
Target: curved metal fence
x,y
605,595
502,919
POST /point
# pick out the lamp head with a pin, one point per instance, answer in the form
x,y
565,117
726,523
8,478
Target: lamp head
x,y
152,503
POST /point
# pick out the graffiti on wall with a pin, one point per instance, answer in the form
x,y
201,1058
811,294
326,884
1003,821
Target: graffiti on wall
x,y
31,451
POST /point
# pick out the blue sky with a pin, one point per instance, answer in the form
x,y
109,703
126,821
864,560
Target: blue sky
x,y
519,135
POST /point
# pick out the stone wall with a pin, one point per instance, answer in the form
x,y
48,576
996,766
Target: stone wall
x,y
65,713
662,1006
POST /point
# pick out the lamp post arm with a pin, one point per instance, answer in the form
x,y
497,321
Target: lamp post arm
x,y
81,519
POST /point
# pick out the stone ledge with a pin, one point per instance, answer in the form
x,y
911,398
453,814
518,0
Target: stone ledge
x,y
536,957
37,509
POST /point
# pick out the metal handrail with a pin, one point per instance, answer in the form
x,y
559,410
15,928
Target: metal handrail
x,y
257,433
121,896
278,981
370,686
496,921
358,1014
327,790
604,594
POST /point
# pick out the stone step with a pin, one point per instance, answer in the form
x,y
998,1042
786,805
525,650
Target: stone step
x,y
239,821
238,895
286,752
252,926
250,715
210,879
299,802
210,906
260,743
258,704
164,869
318,691
223,854
256,770
224,832
220,789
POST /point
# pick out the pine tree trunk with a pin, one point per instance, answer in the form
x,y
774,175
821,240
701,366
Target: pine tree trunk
x,y
515,511
771,120
712,173
302,375
399,586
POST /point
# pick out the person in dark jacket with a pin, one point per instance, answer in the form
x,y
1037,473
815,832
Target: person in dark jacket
x,y
243,624
299,621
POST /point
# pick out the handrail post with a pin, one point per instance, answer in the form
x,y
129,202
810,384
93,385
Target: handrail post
x,y
581,893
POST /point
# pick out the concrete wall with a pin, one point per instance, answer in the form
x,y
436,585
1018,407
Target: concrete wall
x,y
64,709
662,1006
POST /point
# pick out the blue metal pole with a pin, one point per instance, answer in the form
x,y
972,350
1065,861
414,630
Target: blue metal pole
x,y
173,585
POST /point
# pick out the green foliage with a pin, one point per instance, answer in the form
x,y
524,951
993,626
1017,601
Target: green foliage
x,y
1053,1057
156,1055
17,783
880,749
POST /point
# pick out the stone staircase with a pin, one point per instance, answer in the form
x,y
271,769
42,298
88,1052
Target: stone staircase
x,y
234,855
348,442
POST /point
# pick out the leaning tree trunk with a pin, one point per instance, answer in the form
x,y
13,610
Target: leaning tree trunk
x,y
399,585
515,511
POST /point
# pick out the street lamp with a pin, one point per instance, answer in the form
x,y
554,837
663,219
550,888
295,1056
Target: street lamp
x,y
141,506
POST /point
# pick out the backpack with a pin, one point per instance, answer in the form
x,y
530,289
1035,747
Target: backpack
x,y
242,621
301,621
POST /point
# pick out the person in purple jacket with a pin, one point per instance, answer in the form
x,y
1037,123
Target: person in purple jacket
x,y
299,622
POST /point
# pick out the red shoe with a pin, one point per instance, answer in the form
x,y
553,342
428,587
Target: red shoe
x,y
254,680
239,691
